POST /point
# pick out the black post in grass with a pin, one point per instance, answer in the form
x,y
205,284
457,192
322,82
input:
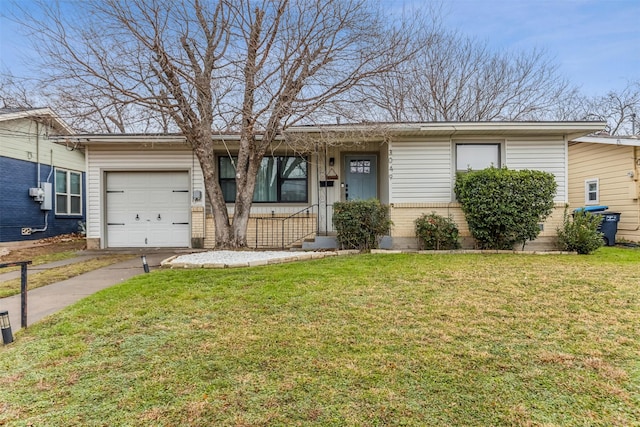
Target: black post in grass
x,y
23,288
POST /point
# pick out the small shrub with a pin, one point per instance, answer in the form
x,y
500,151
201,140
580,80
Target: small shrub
x,y
360,224
436,232
580,234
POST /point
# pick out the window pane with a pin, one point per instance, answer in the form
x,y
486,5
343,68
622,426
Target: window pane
x,y
226,168
228,190
61,204
294,191
592,197
593,186
477,156
293,167
266,182
61,181
74,180
279,179
75,205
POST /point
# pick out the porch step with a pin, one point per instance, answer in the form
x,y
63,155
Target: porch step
x,y
320,242
298,245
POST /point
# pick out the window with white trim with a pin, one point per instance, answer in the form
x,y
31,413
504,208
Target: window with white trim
x,y
477,156
280,179
68,192
591,191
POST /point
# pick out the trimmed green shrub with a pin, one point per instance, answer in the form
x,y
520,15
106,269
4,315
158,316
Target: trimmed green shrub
x,y
360,224
580,233
504,207
436,232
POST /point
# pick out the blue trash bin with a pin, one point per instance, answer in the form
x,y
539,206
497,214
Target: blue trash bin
x,y
609,226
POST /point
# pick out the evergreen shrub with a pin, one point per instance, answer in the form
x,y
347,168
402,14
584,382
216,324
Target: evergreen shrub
x,y
504,207
580,233
360,224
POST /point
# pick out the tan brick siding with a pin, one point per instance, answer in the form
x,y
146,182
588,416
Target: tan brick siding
x,y
197,222
403,217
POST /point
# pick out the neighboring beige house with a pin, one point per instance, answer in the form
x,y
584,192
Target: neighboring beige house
x,y
147,190
604,170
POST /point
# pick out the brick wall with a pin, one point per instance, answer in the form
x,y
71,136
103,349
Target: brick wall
x,y
19,210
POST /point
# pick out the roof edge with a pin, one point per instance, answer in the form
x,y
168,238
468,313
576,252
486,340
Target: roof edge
x,y
38,112
631,141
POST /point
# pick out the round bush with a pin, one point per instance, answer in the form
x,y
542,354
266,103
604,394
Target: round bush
x,y
360,224
436,232
504,207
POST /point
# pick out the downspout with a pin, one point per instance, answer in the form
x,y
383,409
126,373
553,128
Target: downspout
x,y
318,187
326,193
37,154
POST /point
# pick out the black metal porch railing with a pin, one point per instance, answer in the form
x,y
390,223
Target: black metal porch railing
x,y
285,231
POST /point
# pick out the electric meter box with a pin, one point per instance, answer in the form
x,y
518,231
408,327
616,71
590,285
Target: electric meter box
x,y
47,199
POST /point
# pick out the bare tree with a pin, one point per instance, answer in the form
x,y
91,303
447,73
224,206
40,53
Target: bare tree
x,y
16,93
257,67
621,110
458,79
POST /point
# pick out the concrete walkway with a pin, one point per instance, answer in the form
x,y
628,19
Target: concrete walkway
x,y
49,299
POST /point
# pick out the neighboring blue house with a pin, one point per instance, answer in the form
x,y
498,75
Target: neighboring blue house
x,y
42,182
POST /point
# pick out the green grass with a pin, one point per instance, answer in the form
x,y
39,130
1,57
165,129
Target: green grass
x,y
58,274
367,340
44,259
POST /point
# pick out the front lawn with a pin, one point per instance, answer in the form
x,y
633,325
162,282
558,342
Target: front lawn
x,y
366,340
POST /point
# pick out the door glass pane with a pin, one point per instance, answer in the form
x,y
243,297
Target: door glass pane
x,y
61,181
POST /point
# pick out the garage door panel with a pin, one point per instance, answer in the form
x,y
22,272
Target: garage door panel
x,y
166,236
148,209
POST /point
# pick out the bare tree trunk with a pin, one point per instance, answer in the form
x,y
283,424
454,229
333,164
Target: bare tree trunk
x,y
206,158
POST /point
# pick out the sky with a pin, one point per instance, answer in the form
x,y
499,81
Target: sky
x,y
595,43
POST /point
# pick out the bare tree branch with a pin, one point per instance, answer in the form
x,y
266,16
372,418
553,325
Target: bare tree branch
x,y
255,67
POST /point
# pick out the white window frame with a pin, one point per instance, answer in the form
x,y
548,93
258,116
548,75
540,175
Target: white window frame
x,y
587,191
67,193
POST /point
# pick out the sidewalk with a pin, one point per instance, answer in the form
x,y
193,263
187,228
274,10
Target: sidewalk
x,y
49,299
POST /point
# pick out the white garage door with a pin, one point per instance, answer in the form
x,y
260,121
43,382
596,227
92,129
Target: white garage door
x,y
147,209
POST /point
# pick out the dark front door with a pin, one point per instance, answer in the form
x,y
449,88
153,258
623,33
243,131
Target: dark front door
x,y
361,177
